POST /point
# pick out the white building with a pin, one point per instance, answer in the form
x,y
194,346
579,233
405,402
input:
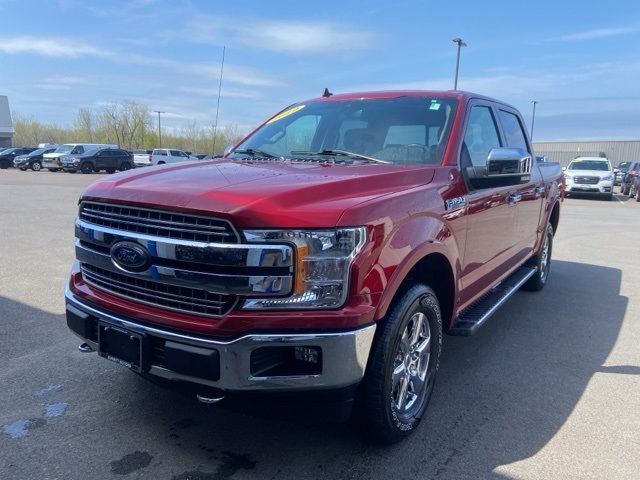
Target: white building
x,y
6,125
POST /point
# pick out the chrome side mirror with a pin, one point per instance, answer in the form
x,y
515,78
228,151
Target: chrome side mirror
x,y
227,149
508,162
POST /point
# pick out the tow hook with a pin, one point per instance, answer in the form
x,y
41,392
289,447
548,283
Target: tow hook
x,y
208,400
85,348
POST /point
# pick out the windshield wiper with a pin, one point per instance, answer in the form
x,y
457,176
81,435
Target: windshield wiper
x,y
255,153
341,153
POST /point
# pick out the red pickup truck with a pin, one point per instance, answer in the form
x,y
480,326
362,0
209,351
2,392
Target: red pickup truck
x,y
323,258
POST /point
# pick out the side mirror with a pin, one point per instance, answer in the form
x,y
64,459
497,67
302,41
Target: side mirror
x,y
511,162
227,149
505,166
564,168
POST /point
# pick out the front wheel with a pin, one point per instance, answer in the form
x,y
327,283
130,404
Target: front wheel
x,y
36,166
542,263
53,169
402,367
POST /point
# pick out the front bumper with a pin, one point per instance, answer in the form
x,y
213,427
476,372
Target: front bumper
x,y
603,187
51,163
342,359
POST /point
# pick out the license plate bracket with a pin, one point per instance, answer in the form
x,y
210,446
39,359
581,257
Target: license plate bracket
x,y
121,346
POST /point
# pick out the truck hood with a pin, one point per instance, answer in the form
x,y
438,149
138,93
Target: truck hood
x,y
260,193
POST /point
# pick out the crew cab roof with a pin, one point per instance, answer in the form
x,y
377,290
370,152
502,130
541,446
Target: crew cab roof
x,y
457,94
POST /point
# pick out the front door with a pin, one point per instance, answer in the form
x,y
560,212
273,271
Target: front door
x,y
491,213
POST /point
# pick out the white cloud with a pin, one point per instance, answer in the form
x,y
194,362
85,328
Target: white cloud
x,y
599,33
293,37
49,47
74,48
226,92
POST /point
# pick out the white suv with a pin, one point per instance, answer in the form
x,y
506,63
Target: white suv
x,y
589,175
167,155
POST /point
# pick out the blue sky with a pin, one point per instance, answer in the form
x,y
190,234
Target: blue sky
x,y
580,60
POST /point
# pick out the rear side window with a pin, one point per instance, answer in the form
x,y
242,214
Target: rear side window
x,y
175,153
78,149
160,152
480,137
513,132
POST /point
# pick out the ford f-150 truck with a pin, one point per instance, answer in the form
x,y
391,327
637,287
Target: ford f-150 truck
x,y
324,257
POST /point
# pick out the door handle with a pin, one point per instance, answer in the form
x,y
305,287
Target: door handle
x,y
514,198
540,190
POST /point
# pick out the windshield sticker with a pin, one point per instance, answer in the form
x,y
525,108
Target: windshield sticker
x,y
286,113
435,105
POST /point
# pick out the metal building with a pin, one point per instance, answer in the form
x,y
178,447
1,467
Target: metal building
x,y
615,150
6,125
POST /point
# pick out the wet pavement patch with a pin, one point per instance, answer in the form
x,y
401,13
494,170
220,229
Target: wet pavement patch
x,y
231,463
50,388
20,428
131,462
55,409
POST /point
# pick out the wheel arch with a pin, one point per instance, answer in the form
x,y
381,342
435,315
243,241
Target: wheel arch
x,y
554,216
435,270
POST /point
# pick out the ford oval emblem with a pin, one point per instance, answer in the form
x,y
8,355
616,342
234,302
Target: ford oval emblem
x,y
130,256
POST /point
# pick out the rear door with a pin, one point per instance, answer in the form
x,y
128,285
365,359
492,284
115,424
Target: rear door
x,y
489,243
103,159
528,197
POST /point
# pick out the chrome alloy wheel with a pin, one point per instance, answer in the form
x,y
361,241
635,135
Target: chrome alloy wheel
x,y
544,259
411,364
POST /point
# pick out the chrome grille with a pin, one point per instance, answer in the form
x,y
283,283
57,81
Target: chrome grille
x,y
587,180
158,223
181,299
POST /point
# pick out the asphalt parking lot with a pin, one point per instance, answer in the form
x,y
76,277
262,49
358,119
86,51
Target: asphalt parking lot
x,y
549,389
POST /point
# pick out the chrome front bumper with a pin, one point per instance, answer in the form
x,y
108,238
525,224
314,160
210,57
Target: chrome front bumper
x,y
344,354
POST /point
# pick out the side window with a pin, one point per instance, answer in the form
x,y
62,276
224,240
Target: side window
x,y
78,149
175,153
480,137
513,133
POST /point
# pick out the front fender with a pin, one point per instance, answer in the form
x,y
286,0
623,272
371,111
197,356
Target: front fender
x,y
409,243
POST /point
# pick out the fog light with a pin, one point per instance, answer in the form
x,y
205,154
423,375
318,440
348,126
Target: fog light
x,y
307,354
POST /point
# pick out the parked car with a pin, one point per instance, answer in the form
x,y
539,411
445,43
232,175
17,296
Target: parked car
x,y
32,160
326,256
592,175
161,156
108,159
8,155
628,180
142,158
636,187
201,156
51,161
620,171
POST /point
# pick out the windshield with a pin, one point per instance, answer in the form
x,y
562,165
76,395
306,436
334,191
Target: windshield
x,y
590,165
624,165
6,151
37,152
64,148
397,130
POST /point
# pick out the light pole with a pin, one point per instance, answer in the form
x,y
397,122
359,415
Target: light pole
x,y
533,116
159,127
460,44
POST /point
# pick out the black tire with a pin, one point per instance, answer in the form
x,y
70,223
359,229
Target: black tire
x,y
637,198
53,169
111,170
23,169
376,408
4,164
540,278
86,167
124,166
624,190
161,163
609,197
36,166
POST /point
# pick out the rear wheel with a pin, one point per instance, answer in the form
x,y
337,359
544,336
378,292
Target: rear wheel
x,y
111,170
23,169
124,166
542,263
86,167
402,367
36,166
4,164
161,162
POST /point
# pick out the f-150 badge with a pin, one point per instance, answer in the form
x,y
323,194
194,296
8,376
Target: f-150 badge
x,y
455,203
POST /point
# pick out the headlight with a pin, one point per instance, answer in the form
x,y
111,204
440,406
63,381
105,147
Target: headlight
x,y
607,177
323,262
